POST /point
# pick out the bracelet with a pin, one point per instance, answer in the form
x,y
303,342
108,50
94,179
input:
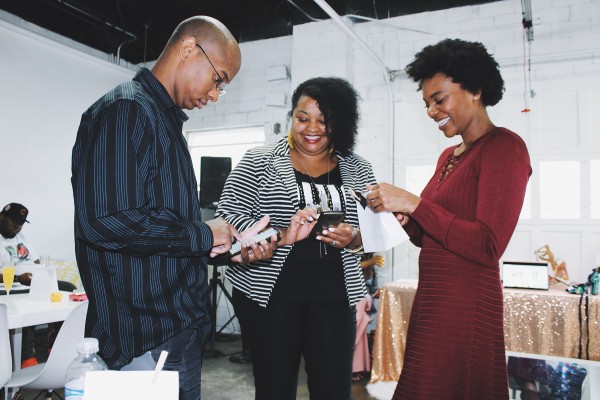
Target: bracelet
x,y
355,232
354,251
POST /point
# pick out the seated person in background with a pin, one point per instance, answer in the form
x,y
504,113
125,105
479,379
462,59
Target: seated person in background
x,y
13,245
15,248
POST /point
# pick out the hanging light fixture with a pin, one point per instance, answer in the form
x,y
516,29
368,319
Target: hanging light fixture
x,y
527,39
527,19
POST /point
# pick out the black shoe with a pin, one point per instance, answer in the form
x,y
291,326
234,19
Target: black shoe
x,y
242,357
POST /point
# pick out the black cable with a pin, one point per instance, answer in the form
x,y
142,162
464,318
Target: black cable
x,y
580,327
587,323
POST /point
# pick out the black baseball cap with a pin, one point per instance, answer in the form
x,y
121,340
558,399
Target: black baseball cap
x,y
15,211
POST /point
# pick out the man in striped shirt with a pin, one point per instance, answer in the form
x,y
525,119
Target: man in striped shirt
x,y
141,247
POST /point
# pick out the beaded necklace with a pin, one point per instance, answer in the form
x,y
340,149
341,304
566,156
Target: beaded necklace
x,y
323,199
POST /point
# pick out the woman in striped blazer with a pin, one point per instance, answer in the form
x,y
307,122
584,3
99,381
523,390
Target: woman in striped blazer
x,y
301,303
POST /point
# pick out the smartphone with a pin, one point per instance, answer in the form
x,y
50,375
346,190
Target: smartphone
x,y
327,219
236,248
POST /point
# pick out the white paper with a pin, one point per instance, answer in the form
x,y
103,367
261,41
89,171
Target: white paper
x,y
129,385
379,231
43,282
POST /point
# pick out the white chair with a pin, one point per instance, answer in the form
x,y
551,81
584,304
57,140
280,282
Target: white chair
x,y
5,352
51,374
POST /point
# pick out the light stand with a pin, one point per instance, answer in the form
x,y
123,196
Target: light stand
x,y
215,283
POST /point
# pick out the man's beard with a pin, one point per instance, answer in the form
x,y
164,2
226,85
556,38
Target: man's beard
x,y
5,231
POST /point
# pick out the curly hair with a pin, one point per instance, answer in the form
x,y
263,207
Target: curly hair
x,y
467,63
338,101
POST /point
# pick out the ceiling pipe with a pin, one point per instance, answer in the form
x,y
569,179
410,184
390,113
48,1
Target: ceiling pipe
x,y
336,18
527,19
101,21
388,76
303,12
378,21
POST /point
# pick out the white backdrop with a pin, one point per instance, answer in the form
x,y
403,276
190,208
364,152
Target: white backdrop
x,y
45,88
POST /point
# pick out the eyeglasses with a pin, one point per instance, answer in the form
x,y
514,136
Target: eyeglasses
x,y
219,81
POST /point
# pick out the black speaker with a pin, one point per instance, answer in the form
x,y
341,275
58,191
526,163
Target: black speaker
x,y
213,174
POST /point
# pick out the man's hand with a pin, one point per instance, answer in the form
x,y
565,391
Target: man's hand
x,y
25,279
223,234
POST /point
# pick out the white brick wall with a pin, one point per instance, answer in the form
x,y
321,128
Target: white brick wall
x,y
246,100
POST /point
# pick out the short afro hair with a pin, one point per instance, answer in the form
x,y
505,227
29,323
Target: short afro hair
x,y
338,101
466,63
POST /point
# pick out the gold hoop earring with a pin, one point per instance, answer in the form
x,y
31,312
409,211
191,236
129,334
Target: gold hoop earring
x,y
290,140
331,149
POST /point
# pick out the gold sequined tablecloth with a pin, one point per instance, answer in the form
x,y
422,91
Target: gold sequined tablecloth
x,y
537,322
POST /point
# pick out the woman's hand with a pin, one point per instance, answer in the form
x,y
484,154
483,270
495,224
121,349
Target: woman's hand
x,y
256,251
386,197
251,250
340,236
402,218
300,226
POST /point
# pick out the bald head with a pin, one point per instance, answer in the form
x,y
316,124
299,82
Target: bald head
x,y
200,53
207,28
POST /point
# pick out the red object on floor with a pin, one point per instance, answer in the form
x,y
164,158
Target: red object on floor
x,y
30,362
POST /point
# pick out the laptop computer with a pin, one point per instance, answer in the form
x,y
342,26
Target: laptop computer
x,y
525,275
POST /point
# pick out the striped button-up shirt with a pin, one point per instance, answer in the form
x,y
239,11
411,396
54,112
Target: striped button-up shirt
x,y
141,248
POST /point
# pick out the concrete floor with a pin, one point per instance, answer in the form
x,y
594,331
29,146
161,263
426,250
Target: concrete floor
x,y
225,380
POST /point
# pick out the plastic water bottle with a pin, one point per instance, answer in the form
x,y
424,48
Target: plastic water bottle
x,y
87,360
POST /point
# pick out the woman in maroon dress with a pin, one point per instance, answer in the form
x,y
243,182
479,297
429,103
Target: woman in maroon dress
x,y
463,222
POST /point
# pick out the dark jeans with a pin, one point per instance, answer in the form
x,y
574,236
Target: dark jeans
x,y
278,336
185,356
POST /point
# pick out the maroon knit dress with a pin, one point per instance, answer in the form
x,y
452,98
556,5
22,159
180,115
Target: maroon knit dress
x,y
455,343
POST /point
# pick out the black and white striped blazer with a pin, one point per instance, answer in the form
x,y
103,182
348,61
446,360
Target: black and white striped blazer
x,y
264,183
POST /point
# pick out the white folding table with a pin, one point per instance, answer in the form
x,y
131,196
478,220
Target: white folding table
x,y
22,311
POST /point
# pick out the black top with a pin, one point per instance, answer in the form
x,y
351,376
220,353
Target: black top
x,y
313,271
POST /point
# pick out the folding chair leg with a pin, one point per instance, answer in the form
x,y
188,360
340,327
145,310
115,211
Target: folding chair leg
x,y
48,394
43,392
17,396
57,395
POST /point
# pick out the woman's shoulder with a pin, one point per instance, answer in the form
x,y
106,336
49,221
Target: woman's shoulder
x,y
501,134
501,139
355,159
